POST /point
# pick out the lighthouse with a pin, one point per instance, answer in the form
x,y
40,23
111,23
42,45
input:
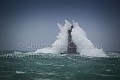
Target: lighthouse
x,y
71,49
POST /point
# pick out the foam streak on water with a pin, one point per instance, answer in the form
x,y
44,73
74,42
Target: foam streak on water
x,y
69,67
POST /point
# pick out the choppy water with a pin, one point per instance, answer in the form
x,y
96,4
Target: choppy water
x,y
59,68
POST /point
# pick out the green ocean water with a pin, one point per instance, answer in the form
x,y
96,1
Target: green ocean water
x,y
59,68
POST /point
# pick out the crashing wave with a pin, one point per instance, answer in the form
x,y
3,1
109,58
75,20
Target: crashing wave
x,y
79,37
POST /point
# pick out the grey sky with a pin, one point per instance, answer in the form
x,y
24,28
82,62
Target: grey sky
x,y
25,21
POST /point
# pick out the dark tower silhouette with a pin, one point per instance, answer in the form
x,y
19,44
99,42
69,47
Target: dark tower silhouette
x,y
71,45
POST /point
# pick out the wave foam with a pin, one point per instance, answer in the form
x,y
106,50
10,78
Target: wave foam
x,y
79,37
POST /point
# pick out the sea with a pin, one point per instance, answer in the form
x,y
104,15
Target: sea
x,y
23,65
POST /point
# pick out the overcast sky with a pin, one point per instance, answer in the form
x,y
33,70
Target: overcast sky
x,y
34,22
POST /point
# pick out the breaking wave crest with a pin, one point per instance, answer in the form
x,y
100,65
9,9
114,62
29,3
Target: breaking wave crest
x,y
79,37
